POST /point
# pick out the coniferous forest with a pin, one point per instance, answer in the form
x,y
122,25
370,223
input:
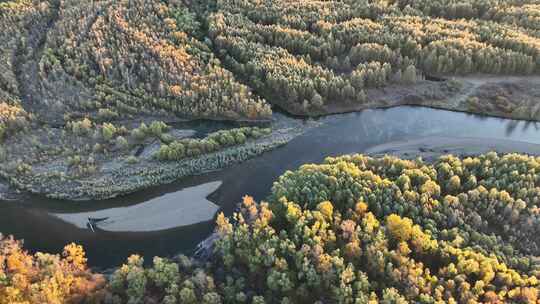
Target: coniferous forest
x,y
103,98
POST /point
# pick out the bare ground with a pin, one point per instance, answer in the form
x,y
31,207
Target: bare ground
x,y
182,208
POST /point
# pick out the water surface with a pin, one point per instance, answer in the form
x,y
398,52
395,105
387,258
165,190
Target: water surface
x,y
35,221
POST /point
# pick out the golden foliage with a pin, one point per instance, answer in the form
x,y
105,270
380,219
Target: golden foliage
x,y
45,278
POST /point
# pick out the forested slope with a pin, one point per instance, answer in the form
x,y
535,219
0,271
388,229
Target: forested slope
x,y
117,56
309,55
143,55
112,58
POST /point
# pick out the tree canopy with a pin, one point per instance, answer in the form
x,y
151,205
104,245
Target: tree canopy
x,y
357,229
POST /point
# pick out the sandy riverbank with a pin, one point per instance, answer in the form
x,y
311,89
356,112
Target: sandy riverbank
x,y
432,147
182,208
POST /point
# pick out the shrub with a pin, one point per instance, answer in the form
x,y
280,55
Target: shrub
x,y
132,160
82,127
108,131
107,114
183,148
409,75
122,142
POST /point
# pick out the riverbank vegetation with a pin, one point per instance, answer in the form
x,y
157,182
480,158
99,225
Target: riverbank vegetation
x,y
357,229
190,147
93,82
90,92
92,160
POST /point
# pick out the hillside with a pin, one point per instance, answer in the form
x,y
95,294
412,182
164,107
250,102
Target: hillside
x,y
354,229
114,59
317,57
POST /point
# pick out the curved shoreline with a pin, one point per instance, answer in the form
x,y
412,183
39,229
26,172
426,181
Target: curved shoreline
x,y
441,95
428,148
332,136
431,147
118,178
183,208
121,179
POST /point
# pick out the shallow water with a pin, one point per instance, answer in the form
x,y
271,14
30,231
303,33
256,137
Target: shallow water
x,y
175,209
34,219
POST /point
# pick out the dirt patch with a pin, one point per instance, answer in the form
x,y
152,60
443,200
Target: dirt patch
x,y
520,100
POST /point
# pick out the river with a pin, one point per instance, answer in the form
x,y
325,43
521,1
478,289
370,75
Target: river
x,y
47,225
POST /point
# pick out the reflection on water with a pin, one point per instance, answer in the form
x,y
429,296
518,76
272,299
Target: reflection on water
x,y
203,127
526,126
340,134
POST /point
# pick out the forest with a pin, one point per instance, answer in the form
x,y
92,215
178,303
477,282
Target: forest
x,y
112,59
92,94
317,53
127,58
354,229
78,78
